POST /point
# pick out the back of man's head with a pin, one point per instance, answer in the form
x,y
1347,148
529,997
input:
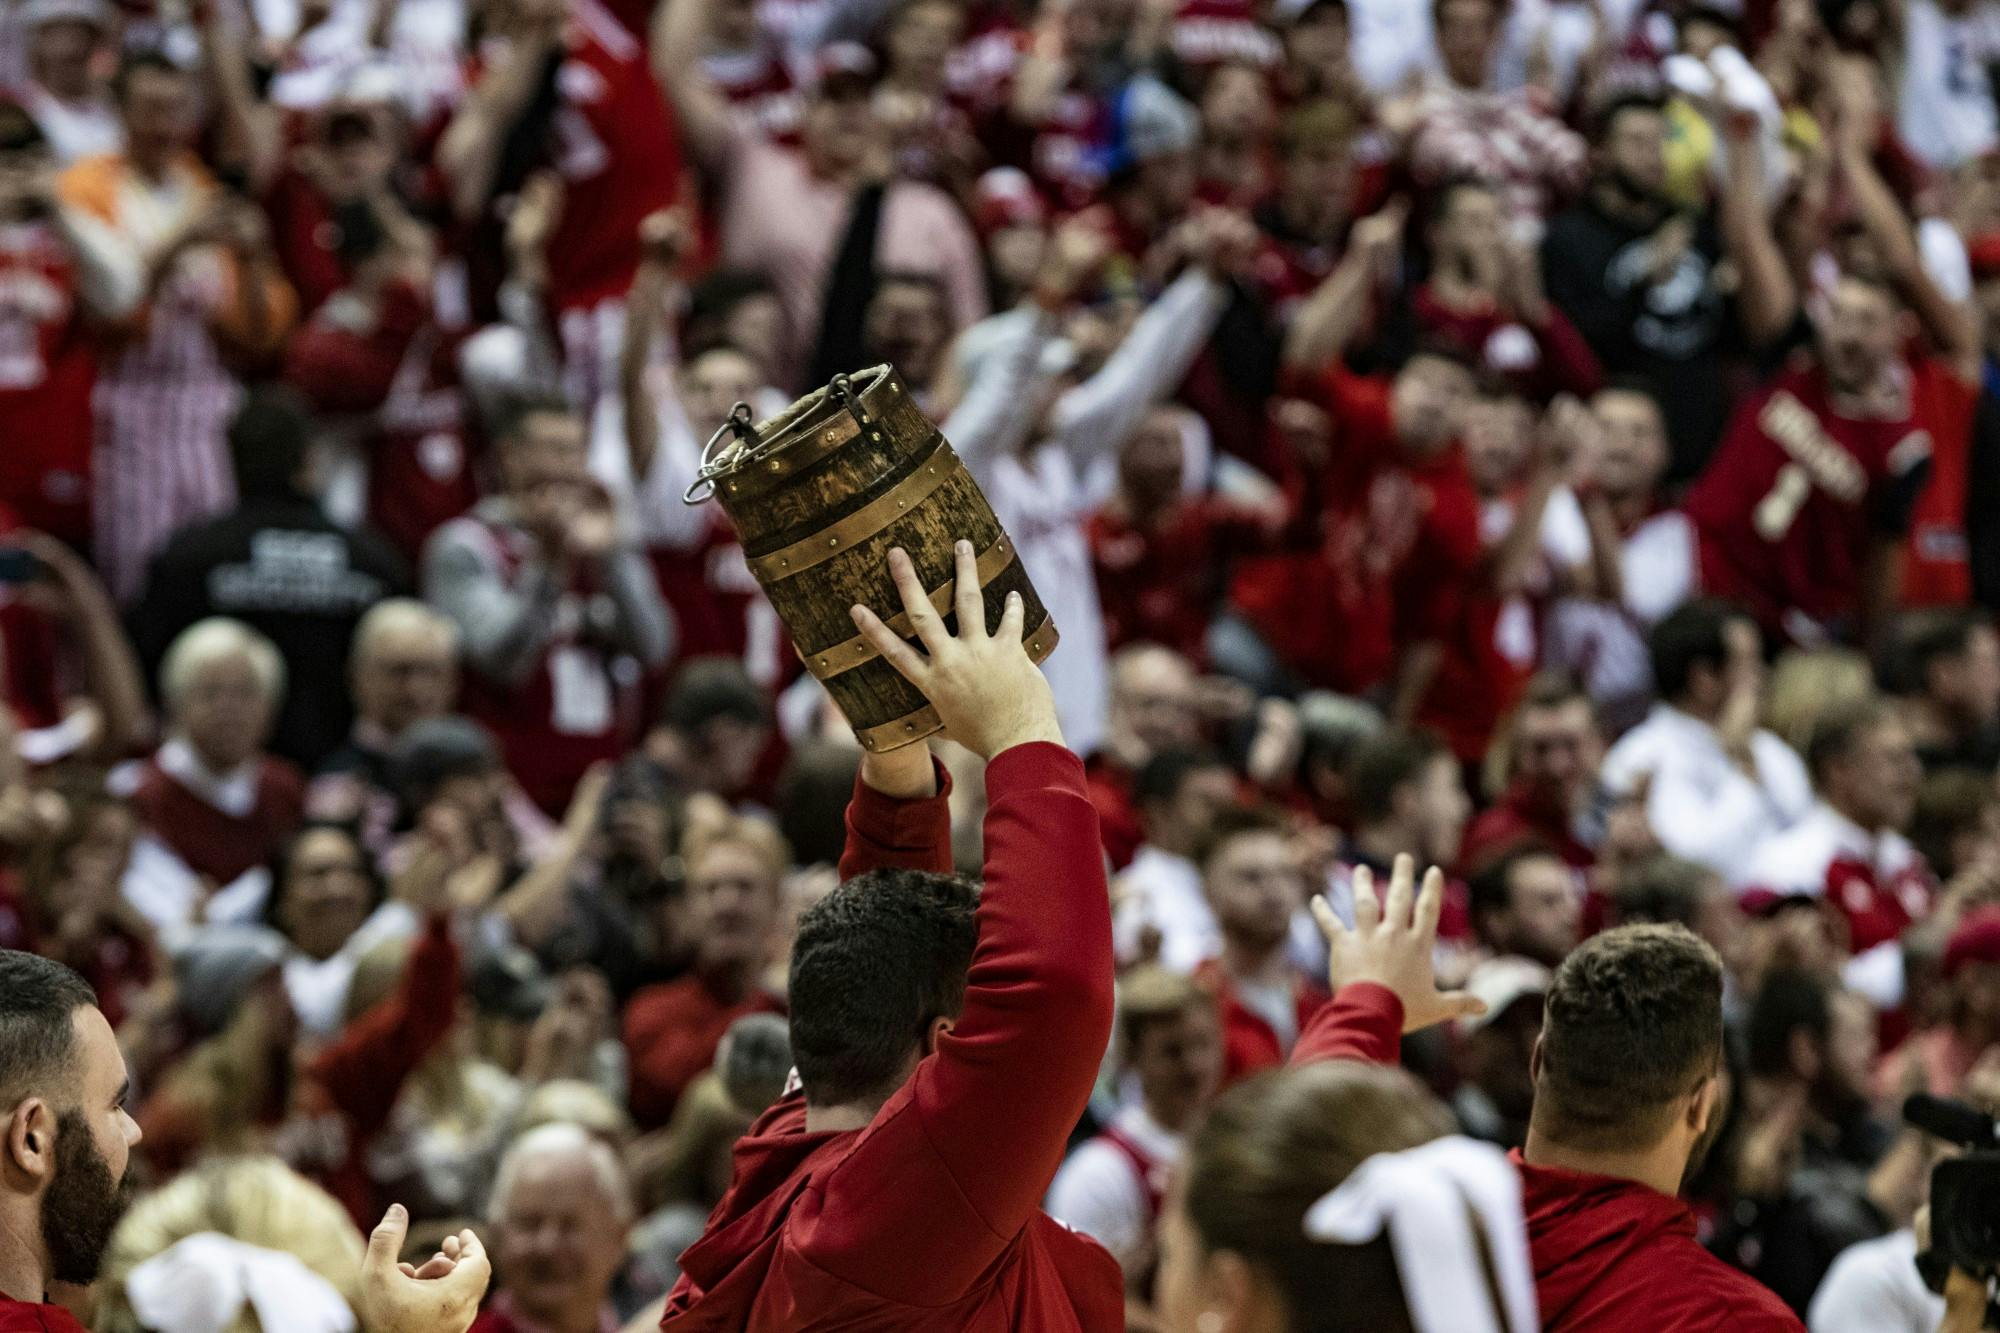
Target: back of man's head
x,y
38,1004
1790,1002
877,961
268,439
1632,1026
1694,635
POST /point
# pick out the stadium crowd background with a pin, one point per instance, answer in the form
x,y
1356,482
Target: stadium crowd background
x,y
1556,440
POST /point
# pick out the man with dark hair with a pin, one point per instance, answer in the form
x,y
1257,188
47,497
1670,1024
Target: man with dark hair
x,y
1850,850
67,1138
1256,887
1715,783
1948,672
1802,1184
1407,798
1555,748
1627,1101
1179,793
1637,277
280,565
556,608
1526,903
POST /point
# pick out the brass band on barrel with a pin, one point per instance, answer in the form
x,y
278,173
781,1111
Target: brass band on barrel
x,y
940,466
854,652
913,727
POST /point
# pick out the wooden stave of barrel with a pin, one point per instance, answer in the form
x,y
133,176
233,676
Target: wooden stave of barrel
x,y
821,494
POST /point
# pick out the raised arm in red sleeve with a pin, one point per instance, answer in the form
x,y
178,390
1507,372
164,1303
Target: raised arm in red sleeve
x,y
1364,1022
363,1071
884,833
956,1163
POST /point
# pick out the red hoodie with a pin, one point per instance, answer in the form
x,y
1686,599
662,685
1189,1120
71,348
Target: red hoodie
x,y
1613,1255
929,1218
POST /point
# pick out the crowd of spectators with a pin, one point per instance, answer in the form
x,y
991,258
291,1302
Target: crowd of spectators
x,y
1555,440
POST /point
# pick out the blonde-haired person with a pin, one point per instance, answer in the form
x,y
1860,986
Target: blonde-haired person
x,y
215,808
1807,684
729,913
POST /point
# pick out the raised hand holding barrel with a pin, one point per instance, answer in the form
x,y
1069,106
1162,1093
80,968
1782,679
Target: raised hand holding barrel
x,y
987,691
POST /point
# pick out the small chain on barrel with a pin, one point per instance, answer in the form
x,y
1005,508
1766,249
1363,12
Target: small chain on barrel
x,y
715,460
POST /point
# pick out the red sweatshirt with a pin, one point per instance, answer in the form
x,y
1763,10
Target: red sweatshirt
x,y
21,1317
1612,1255
671,1033
930,1217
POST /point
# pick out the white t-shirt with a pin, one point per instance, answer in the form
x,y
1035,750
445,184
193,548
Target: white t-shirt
x,y
1164,891
1601,643
1098,1192
1873,1287
1945,109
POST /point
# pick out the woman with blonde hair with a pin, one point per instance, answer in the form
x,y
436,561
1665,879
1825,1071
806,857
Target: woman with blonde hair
x,y
1807,684
239,1245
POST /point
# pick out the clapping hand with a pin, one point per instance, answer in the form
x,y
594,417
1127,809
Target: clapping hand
x,y
442,1296
1391,943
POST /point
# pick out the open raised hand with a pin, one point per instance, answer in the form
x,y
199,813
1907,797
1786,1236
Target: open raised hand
x,y
1391,943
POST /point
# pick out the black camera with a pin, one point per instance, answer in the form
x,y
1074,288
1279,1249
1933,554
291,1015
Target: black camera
x,y
1965,1193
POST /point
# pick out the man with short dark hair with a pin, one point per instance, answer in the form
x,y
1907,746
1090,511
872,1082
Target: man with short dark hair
x,y
1627,1100
1555,747
1526,904
65,1140
1179,793
280,565
1715,783
1849,851
1949,667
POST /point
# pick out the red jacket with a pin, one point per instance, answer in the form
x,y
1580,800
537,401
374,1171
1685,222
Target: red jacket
x,y
1612,1255
1249,1043
929,1218
671,1032
20,1317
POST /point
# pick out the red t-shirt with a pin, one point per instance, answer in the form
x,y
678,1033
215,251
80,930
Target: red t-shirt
x,y
1937,569
21,1317
617,153
47,371
1794,496
1398,541
1161,584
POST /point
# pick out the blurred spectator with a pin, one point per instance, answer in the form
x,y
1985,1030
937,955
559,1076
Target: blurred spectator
x,y
1624,557
1803,1185
1849,850
1526,904
1556,748
1162,912
1251,875
1949,670
715,729
1153,705
1938,1059
1715,785
1638,278
1805,684
328,904
1112,1187
213,806
1407,799
1496,1091
561,1213
68,45
672,1030
1666,890
1464,126
1946,112
278,564
401,670
557,614
213,298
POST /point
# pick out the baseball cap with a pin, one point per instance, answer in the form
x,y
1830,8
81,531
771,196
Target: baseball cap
x,y
1500,982
1005,197
1150,120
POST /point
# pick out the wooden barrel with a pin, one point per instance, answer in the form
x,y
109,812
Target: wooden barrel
x,y
819,494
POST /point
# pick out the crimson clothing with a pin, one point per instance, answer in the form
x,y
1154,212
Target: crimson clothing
x,y
1515,818
1612,1255
21,1317
211,841
1117,808
618,156
1540,363
671,1032
1400,540
1794,497
1249,1043
929,1218
390,360
1161,584
47,372
501,1315
1937,561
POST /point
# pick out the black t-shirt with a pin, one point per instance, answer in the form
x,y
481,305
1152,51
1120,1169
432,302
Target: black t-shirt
x,y
1673,334
288,571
